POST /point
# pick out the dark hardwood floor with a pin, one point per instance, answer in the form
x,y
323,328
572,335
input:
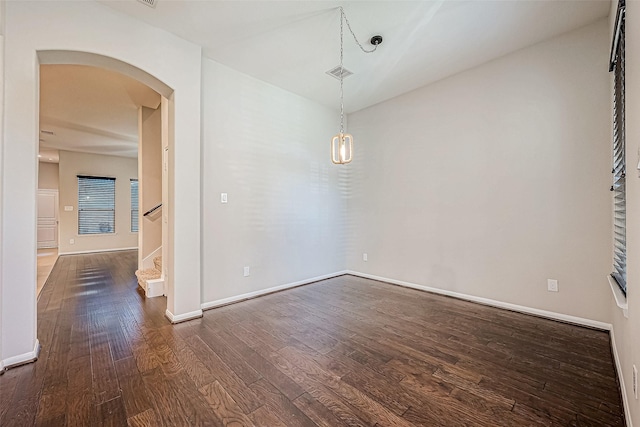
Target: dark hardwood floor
x,y
342,352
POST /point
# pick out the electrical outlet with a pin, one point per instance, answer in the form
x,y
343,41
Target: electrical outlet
x,y
72,241
223,197
246,271
635,381
552,285
364,257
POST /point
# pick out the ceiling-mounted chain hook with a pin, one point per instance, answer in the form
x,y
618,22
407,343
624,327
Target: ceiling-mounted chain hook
x,y
375,40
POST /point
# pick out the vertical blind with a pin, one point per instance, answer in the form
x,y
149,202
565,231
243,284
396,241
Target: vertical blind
x,y
96,205
134,205
619,161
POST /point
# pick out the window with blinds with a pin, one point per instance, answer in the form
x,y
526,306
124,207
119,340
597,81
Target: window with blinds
x,y
619,161
134,205
96,205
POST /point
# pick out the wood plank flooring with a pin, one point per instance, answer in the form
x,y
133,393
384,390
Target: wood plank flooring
x,y
341,352
46,260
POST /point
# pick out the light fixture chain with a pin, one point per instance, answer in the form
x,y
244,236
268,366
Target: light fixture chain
x,y
353,34
342,15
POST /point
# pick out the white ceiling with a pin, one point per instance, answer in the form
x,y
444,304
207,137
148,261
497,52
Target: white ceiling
x,y
90,110
291,44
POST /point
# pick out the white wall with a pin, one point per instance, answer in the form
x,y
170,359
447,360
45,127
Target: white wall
x,y
123,169
32,27
493,180
627,331
268,149
48,176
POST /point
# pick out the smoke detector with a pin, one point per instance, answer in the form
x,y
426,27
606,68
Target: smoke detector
x,y
335,72
150,3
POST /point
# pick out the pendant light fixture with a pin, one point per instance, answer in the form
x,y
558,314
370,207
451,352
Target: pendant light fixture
x,y
342,143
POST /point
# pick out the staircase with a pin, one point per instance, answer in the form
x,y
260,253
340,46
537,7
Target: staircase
x,y
151,280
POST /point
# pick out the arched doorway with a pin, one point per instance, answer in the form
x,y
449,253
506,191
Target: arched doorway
x,y
87,32
22,310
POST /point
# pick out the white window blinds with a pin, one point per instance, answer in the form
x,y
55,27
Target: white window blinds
x,y
619,161
96,205
134,206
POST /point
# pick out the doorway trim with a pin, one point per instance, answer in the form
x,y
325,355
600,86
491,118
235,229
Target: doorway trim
x,y
89,30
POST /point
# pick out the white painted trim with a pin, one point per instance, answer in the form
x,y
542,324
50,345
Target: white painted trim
x,y
494,303
621,299
1,367
238,298
155,288
135,248
22,359
147,262
623,389
183,317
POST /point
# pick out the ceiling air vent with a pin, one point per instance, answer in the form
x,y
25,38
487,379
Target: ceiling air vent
x,y
150,3
335,72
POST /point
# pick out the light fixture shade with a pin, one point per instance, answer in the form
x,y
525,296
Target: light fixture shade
x,y
342,148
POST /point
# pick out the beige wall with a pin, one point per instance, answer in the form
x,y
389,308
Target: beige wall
x,y
494,180
47,176
268,149
123,169
150,173
2,322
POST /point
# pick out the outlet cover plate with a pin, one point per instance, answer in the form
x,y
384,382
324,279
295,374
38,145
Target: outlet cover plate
x,y
552,285
246,271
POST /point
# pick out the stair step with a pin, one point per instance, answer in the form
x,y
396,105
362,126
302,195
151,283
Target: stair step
x,y
150,279
148,274
145,275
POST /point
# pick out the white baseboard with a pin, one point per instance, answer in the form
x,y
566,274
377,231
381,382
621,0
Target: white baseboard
x,y
135,248
623,389
22,359
147,262
155,288
494,303
182,317
238,298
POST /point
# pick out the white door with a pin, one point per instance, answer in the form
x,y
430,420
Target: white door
x,y
47,219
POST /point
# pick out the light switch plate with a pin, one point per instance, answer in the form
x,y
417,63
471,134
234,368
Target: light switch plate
x,y
223,197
